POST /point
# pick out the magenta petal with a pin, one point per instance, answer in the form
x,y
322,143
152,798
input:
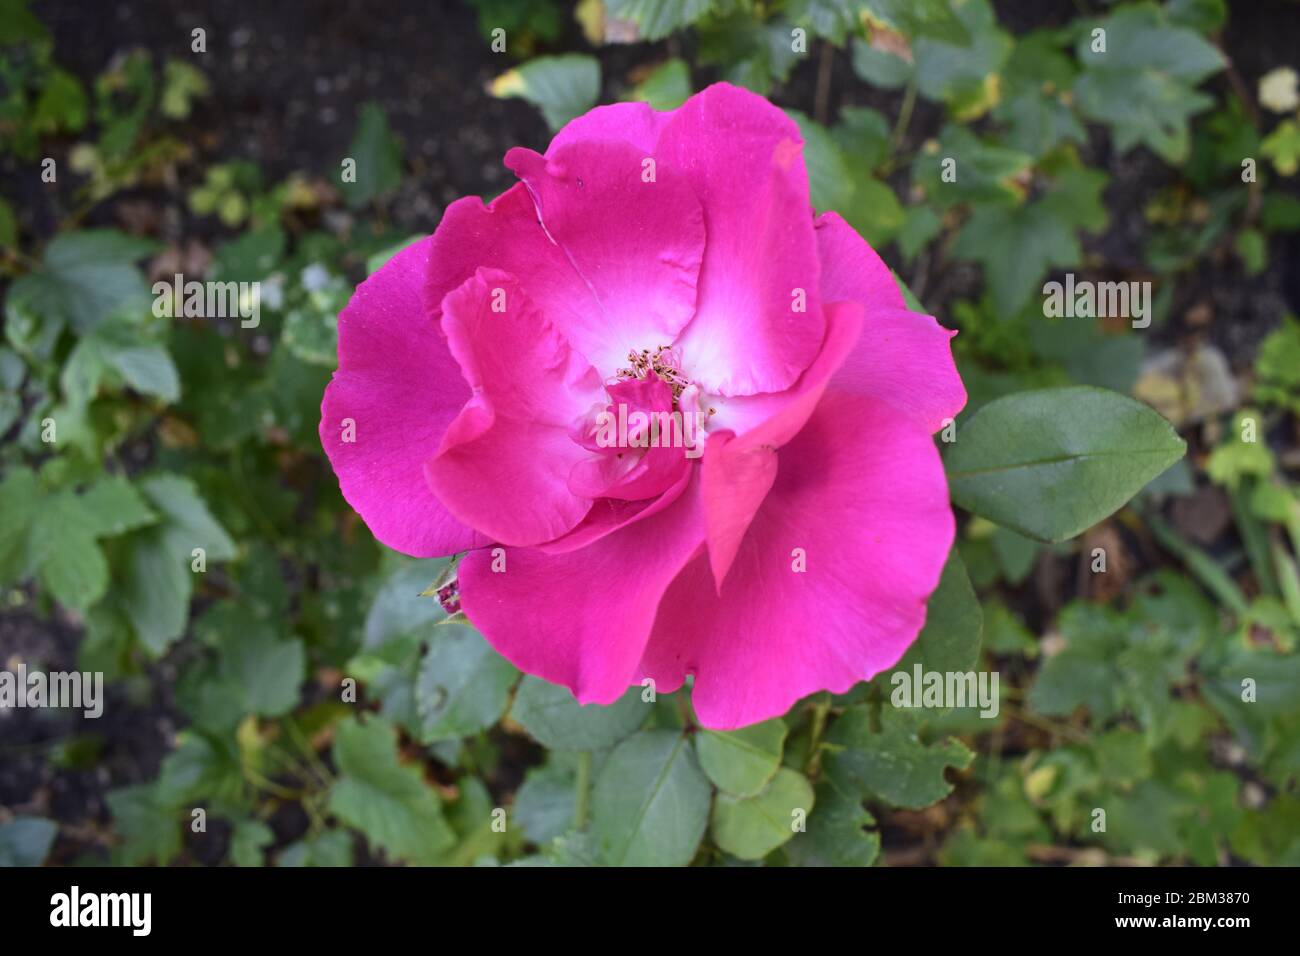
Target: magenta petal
x,y
632,472
635,123
632,229
396,390
608,515
506,235
744,158
734,483
903,357
581,618
738,473
860,493
504,462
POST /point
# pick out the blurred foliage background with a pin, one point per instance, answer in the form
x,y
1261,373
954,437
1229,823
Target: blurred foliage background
x,y
1172,159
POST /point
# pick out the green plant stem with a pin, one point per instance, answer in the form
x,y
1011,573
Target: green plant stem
x,y
581,786
1201,565
1046,725
820,711
1288,579
821,98
313,759
904,113
1254,537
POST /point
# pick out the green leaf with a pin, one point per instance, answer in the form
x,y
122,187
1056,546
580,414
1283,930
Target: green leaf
x,y
655,19
950,640
831,19
651,801
1282,146
562,87
378,156
200,768
399,613
1054,462
387,801
252,257
829,184
331,848
267,672
473,816
88,277
1237,460
149,823
752,827
1090,355
158,581
156,590
182,84
1203,15
71,565
463,686
962,74
892,763
747,53
666,88
19,25
863,136
187,522
879,67
26,841
1016,246
868,205
985,171
19,492
1083,673
1016,554
932,18
248,841
544,805
837,833
1036,87
1277,366
1267,721
1142,86
61,542
741,762
114,507
920,224
149,370
551,715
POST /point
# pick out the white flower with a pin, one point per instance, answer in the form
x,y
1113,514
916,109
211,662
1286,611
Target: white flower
x,y
1277,90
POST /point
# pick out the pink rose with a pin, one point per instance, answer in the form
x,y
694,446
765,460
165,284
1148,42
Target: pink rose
x,y
779,535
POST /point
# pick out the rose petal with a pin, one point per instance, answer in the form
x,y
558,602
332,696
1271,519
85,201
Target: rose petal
x,y
504,462
903,357
631,471
861,491
744,158
399,387
634,232
582,618
738,472
635,123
